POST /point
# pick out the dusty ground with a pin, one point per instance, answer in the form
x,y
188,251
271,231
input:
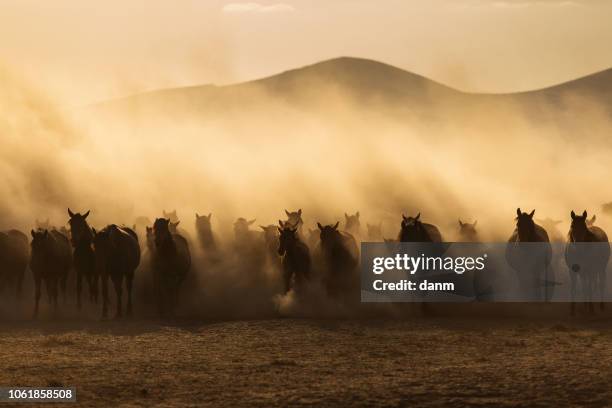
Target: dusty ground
x,y
280,362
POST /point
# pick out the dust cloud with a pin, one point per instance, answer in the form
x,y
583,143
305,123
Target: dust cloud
x,y
252,151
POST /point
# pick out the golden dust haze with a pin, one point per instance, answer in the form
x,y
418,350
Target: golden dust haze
x,y
253,150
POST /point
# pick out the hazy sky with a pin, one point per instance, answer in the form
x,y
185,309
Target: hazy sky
x,y
84,51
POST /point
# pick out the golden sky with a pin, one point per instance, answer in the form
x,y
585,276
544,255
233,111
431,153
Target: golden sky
x,y
83,51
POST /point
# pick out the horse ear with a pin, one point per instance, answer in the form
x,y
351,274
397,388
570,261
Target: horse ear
x,y
93,230
518,211
346,216
70,213
573,214
209,216
320,226
281,224
584,214
404,217
460,223
197,216
279,230
336,226
288,213
417,217
46,233
357,214
300,212
86,215
176,223
593,218
531,213
32,233
474,224
252,221
262,227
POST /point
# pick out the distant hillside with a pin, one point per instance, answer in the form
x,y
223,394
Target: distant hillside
x,y
360,81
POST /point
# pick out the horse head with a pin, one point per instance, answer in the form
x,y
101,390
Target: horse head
x,y
79,229
525,225
579,228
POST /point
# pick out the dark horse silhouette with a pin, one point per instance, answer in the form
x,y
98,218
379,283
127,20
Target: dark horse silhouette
x,y
83,257
14,255
340,257
587,253
413,230
51,261
204,233
296,257
352,225
171,261
529,253
117,255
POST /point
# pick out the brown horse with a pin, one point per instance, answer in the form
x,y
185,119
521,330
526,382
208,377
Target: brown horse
x,y
531,262
352,225
587,253
14,256
83,257
340,256
117,255
171,262
414,230
50,262
296,257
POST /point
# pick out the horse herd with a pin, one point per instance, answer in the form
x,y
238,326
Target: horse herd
x,y
326,253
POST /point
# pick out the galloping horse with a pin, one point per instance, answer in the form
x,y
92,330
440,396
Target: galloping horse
x,y
587,253
117,255
296,257
529,253
83,257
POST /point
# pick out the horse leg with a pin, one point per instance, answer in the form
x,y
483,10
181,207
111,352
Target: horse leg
x,y
49,286
79,288
105,296
55,285
20,284
63,280
573,292
589,284
36,295
117,282
129,279
603,283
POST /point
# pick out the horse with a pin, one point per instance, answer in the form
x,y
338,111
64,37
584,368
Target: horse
x,y
531,261
352,225
313,238
271,242
340,256
294,218
50,261
375,233
552,228
171,262
83,257
204,233
14,257
414,230
467,231
587,253
295,257
117,255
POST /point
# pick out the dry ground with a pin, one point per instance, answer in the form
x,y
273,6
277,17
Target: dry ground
x,y
280,362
